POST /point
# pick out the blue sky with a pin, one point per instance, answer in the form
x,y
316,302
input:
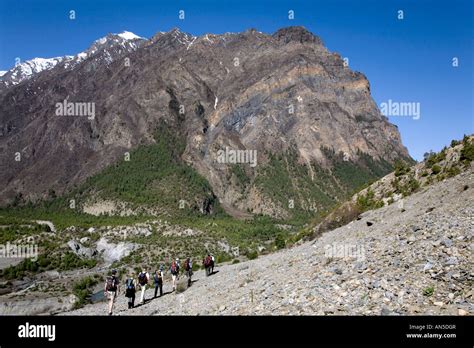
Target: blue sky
x,y
407,60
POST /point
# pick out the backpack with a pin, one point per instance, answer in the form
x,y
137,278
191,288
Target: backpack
x,y
187,266
158,278
111,284
142,279
130,290
174,268
130,284
207,261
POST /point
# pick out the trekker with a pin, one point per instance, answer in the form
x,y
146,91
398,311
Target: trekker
x,y
130,291
188,268
158,281
174,269
207,262
143,279
213,262
111,289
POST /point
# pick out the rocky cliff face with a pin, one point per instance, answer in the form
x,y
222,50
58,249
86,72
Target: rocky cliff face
x,y
305,119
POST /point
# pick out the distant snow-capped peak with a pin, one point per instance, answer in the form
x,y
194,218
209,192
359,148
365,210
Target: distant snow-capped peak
x,y
123,42
127,35
27,69
36,65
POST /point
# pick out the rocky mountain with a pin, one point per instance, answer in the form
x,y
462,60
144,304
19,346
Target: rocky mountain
x,y
276,124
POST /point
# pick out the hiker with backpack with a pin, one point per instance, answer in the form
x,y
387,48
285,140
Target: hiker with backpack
x,y
188,268
130,291
111,289
208,263
158,281
143,279
174,269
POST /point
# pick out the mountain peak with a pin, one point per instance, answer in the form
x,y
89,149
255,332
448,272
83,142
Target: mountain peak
x,y
173,36
296,33
175,30
127,35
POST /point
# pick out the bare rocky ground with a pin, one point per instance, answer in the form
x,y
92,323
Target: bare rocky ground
x,y
393,261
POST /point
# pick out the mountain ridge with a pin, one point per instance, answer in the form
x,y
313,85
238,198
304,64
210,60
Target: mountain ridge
x,y
281,95
29,68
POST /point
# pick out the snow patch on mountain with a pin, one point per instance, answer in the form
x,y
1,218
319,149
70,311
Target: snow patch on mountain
x,y
128,40
127,35
29,68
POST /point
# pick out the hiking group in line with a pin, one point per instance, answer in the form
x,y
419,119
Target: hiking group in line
x,y
112,283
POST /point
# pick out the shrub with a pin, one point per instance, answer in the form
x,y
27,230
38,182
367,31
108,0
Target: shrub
x,y
223,258
453,171
367,201
434,158
252,255
428,154
413,185
441,156
280,242
196,266
428,291
401,168
467,152
436,169
455,143
82,290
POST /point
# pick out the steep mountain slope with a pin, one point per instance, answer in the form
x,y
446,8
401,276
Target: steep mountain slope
x,y
404,181
315,129
392,261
